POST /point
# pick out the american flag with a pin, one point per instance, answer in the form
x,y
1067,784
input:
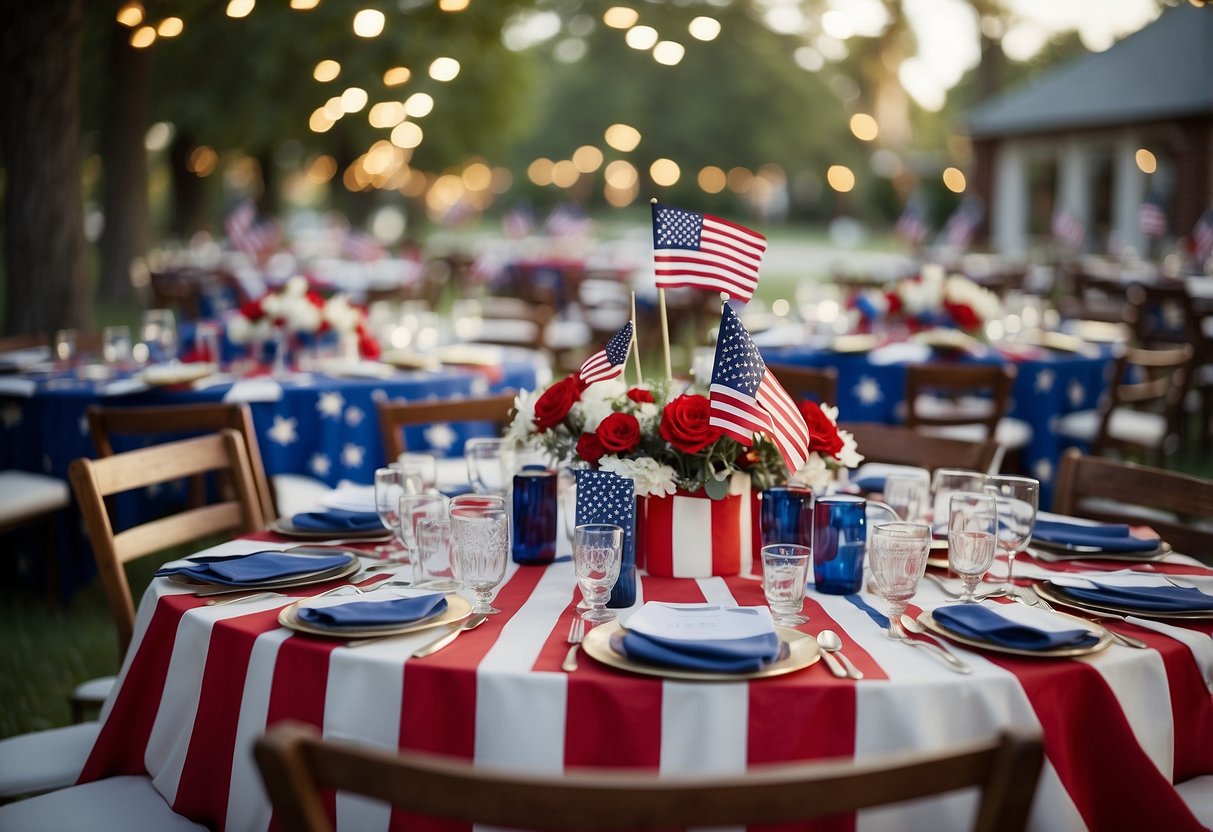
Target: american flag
x,y
705,252
244,234
1067,229
567,220
746,399
519,221
1202,236
606,497
607,363
958,231
911,226
1152,218
362,247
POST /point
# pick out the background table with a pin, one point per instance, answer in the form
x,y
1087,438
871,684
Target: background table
x,y
200,684
320,426
1046,388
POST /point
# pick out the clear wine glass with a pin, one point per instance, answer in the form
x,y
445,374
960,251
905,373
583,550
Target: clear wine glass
x,y
390,485
946,482
482,546
433,566
972,534
490,464
908,493
1017,499
426,465
897,555
413,509
597,552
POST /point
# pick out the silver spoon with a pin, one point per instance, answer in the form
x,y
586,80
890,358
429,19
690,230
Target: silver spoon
x,y
829,641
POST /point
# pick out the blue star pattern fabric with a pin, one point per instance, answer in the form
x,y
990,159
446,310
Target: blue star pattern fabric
x,y
606,497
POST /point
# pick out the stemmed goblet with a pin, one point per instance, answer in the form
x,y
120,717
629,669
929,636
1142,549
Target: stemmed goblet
x,y
897,553
944,483
482,547
597,552
972,535
1017,499
908,493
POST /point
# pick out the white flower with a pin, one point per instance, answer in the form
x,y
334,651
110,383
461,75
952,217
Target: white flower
x,y
814,474
597,402
651,478
523,425
295,287
302,316
239,329
849,456
340,315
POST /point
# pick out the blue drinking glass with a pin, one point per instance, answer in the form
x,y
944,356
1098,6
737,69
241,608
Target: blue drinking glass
x,y
535,506
787,515
839,534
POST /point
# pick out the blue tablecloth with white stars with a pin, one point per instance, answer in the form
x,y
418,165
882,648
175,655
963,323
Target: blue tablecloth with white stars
x,y
1046,388
320,426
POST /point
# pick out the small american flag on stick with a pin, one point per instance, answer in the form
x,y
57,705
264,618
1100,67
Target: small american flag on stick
x,y
746,399
705,252
608,362
1152,218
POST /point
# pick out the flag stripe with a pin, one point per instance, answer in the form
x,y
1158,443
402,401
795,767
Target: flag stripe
x,y
705,252
608,362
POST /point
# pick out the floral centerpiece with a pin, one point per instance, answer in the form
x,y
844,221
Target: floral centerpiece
x,y
928,300
297,311
661,437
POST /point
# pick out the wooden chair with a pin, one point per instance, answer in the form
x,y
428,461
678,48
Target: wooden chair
x,y
396,415
1178,506
297,764
1140,410
818,384
104,422
900,445
964,401
93,481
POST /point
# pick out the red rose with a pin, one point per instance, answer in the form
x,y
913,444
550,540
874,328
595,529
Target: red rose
x,y
639,394
589,448
684,424
554,404
619,433
963,316
252,310
823,434
894,301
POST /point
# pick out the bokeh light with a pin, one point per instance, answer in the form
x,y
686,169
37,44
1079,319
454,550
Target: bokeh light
x,y
641,37
170,27
444,69
587,158
131,14
386,114
240,8
704,28
396,76
143,37
1146,160
864,127
540,171
622,137
407,134
665,172
954,180
326,70
620,17
712,180
368,23
621,175
452,5
353,99
668,53
202,161
565,174
303,6
322,169
841,178
418,105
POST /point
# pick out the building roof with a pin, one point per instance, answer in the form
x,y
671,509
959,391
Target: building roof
x,y
1163,71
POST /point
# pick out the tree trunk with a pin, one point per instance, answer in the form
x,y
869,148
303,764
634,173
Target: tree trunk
x,y
47,283
189,189
124,164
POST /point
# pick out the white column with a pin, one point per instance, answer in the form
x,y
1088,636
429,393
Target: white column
x,y
1074,180
1009,214
1128,191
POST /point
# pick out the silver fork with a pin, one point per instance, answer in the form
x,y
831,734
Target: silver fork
x,y
576,636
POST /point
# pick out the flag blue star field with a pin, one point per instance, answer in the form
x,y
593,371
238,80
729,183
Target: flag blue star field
x,y
746,399
608,362
705,252
606,497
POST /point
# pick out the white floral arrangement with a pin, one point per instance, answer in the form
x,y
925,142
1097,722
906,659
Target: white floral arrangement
x,y
298,310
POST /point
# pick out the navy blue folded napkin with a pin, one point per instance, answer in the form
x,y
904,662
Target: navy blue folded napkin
x,y
338,520
734,655
256,568
981,623
456,489
1110,537
376,613
1144,598
875,482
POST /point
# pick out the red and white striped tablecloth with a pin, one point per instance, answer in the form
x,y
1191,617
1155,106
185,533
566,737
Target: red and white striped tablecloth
x,y
201,683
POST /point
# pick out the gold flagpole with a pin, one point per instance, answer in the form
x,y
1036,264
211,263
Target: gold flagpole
x,y
636,343
665,335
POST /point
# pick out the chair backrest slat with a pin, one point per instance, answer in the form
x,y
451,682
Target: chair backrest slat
x,y
296,764
819,384
394,416
989,382
900,445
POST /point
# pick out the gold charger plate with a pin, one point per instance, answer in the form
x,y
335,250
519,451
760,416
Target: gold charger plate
x,y
1057,595
283,527
802,651
457,609
1105,638
1045,550
302,579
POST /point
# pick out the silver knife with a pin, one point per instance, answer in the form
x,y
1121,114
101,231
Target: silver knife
x,y
445,639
